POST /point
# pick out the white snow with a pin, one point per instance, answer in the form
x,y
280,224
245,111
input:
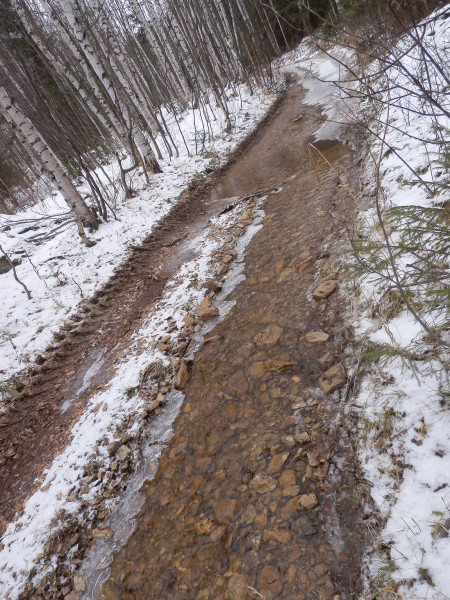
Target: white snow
x,y
61,273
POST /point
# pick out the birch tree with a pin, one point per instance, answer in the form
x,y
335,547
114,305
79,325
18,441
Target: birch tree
x,y
40,152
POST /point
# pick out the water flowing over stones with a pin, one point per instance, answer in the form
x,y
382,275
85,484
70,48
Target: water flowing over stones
x,y
253,494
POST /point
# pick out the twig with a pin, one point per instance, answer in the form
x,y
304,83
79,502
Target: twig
x,y
15,273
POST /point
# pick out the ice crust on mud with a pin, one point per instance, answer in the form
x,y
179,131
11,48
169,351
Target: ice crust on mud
x,y
414,509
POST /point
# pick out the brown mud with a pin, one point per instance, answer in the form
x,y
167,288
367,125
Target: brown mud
x,y
254,496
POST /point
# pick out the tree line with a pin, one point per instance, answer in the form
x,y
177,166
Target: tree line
x,y
81,80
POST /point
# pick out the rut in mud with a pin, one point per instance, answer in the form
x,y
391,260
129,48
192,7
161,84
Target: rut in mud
x,y
254,495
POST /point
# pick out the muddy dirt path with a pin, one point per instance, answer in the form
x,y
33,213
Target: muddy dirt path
x,y
254,494
36,425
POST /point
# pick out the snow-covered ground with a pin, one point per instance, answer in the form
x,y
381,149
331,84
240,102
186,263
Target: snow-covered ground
x,y
402,406
61,272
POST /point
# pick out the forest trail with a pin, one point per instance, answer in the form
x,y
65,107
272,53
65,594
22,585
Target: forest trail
x,y
254,494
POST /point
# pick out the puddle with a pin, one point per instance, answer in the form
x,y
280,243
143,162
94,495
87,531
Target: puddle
x,y
87,379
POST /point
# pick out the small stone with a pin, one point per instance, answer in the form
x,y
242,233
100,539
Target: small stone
x,y
113,447
124,453
316,337
261,521
289,422
103,532
182,377
287,478
225,509
277,462
237,587
204,526
290,575
160,399
217,533
227,258
281,535
333,379
189,320
269,336
290,508
304,526
72,596
78,583
249,515
212,285
206,310
238,383
263,483
302,437
256,370
308,501
324,289
292,490
313,459
268,575
326,360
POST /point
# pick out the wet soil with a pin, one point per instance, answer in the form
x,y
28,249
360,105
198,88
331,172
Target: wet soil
x,y
36,426
254,494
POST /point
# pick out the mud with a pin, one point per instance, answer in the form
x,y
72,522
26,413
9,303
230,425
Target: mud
x,y
254,494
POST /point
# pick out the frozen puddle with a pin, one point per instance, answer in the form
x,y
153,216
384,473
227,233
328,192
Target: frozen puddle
x,y
88,376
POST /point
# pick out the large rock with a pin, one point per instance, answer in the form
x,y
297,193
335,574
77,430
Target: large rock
x,y
206,310
324,289
333,379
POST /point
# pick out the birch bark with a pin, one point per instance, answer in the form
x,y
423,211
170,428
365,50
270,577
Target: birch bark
x,y
34,143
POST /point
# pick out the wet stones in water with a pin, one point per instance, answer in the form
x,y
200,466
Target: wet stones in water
x,y
225,509
206,310
237,587
333,379
238,383
277,462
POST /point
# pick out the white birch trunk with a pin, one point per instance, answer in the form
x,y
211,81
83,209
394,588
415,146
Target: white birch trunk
x,y
38,148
